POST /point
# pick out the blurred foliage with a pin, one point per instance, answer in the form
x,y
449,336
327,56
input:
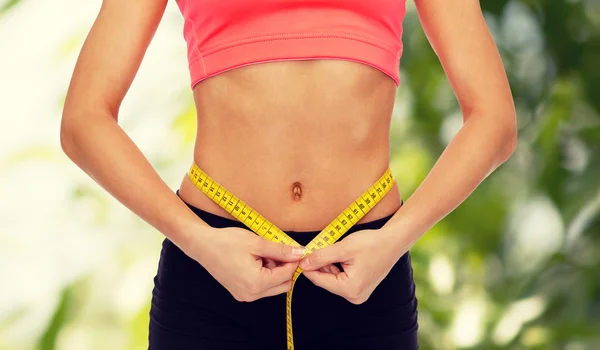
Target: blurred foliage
x,y
7,5
518,261
551,50
48,339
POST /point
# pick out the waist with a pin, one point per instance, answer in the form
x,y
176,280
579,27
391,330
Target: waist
x,y
294,196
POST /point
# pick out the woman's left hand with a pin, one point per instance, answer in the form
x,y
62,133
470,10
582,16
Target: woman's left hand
x,y
366,256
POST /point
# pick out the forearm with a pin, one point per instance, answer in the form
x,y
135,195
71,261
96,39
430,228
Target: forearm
x,y
99,146
481,145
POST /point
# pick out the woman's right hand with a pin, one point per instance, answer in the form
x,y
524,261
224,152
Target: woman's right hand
x,y
234,257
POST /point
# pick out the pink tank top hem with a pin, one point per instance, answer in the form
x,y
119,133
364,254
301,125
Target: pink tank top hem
x,y
226,35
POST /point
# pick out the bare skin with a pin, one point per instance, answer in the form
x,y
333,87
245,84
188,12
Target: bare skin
x,y
298,141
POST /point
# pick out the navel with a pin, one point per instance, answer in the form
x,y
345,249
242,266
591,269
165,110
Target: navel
x,y
296,191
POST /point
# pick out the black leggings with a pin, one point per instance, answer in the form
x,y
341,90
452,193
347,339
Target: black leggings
x,y
191,310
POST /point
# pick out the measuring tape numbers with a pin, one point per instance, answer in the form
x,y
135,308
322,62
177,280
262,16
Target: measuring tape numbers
x,y
267,230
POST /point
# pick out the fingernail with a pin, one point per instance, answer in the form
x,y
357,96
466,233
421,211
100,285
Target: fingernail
x,y
298,251
304,262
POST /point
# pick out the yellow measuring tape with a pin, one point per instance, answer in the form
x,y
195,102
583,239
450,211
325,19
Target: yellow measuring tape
x,y
264,228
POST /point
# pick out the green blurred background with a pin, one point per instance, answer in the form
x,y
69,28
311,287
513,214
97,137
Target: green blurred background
x,y
514,267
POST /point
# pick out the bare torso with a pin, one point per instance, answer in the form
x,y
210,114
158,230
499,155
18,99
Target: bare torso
x,y
298,141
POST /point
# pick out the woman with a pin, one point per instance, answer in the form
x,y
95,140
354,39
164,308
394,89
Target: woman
x,y
294,101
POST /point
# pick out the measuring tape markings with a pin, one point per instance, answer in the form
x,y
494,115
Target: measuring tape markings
x,y
267,230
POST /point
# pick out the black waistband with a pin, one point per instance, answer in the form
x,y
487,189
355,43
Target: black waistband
x,y
218,221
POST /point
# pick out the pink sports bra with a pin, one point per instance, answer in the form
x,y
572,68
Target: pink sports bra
x,y
226,34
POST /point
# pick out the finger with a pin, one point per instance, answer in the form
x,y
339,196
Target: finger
x,y
325,269
277,251
338,252
335,269
277,275
282,288
330,269
335,284
269,263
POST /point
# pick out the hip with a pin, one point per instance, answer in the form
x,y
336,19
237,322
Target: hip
x,y
189,304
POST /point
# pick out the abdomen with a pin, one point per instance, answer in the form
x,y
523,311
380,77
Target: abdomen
x,y
295,139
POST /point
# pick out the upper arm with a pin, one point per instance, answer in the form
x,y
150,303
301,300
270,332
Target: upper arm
x,y
462,41
111,55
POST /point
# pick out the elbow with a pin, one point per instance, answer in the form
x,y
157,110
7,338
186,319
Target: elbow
x,y
68,135
510,139
76,128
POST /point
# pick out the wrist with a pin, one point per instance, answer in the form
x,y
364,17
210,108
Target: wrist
x,y
399,235
191,234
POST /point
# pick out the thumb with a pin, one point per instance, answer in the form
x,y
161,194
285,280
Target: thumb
x,y
325,256
278,251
